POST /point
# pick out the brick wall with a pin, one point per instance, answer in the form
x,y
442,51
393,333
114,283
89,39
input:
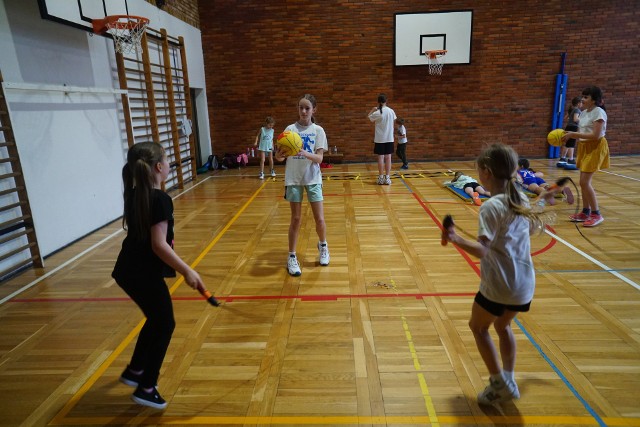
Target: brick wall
x,y
260,57
184,10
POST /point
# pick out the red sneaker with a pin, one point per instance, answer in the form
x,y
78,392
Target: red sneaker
x,y
476,199
593,221
580,217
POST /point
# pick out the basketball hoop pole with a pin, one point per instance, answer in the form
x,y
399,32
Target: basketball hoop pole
x,y
558,105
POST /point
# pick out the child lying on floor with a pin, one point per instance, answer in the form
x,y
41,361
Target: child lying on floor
x,y
532,181
469,186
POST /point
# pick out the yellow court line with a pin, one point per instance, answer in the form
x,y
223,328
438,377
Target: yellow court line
x,y
431,410
366,420
109,360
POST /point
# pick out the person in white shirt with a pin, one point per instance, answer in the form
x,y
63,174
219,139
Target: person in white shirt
x,y
507,276
384,118
401,151
302,172
265,140
593,153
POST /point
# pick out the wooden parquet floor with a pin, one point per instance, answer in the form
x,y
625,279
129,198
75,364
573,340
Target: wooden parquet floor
x,y
378,337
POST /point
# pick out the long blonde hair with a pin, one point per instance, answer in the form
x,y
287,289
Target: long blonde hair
x,y
502,162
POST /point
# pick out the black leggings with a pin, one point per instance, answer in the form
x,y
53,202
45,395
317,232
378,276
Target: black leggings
x,y
401,151
153,298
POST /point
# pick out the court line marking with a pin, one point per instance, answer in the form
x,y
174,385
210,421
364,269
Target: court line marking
x,y
621,176
71,403
232,298
80,255
366,420
594,261
424,388
564,379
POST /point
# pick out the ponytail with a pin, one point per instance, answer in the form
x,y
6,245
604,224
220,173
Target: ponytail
x,y
382,99
138,180
501,161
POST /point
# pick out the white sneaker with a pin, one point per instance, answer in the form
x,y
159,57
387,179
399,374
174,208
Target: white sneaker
x,y
498,391
380,179
273,173
514,386
387,180
324,254
261,176
292,266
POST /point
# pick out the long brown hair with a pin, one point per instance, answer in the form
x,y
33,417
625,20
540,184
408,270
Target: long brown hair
x,y
312,100
138,179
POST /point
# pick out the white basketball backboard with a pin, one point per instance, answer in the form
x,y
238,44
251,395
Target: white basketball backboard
x,y
417,32
79,13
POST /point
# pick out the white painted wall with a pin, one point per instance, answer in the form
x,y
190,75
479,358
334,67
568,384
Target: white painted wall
x,y
72,145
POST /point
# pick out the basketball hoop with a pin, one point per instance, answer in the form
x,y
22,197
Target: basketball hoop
x,y
126,30
435,59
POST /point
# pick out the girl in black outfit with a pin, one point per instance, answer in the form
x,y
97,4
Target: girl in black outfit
x,y
146,258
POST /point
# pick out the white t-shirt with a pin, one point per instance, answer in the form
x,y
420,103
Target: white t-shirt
x,y
462,181
402,131
299,170
384,124
588,117
507,273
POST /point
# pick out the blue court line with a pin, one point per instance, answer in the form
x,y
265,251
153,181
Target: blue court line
x,y
600,270
562,377
404,182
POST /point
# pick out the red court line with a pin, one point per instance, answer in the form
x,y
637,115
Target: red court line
x,y
439,224
230,298
471,262
549,245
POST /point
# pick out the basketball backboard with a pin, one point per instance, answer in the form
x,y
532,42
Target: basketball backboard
x,y
79,13
417,32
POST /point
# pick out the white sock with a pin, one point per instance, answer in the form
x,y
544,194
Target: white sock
x,y
497,378
509,376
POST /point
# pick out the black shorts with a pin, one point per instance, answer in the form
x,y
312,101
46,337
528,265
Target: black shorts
x,y
472,185
382,148
571,143
498,309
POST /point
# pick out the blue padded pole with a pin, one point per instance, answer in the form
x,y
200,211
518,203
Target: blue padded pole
x,y
558,105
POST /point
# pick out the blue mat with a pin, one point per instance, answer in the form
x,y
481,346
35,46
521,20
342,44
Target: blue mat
x,y
460,193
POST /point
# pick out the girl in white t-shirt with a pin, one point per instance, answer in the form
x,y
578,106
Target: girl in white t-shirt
x,y
384,118
265,139
507,278
593,153
302,172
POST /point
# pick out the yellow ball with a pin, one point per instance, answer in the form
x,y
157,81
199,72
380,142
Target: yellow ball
x,y
289,143
555,137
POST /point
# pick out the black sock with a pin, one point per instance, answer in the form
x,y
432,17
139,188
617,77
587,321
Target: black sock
x,y
596,212
586,211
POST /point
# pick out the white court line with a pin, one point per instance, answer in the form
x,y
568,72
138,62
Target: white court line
x,y
622,176
595,261
80,255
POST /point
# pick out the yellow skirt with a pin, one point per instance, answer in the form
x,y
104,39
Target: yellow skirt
x,y
593,155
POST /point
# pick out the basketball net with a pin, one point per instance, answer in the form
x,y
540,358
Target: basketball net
x,y
127,31
435,59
